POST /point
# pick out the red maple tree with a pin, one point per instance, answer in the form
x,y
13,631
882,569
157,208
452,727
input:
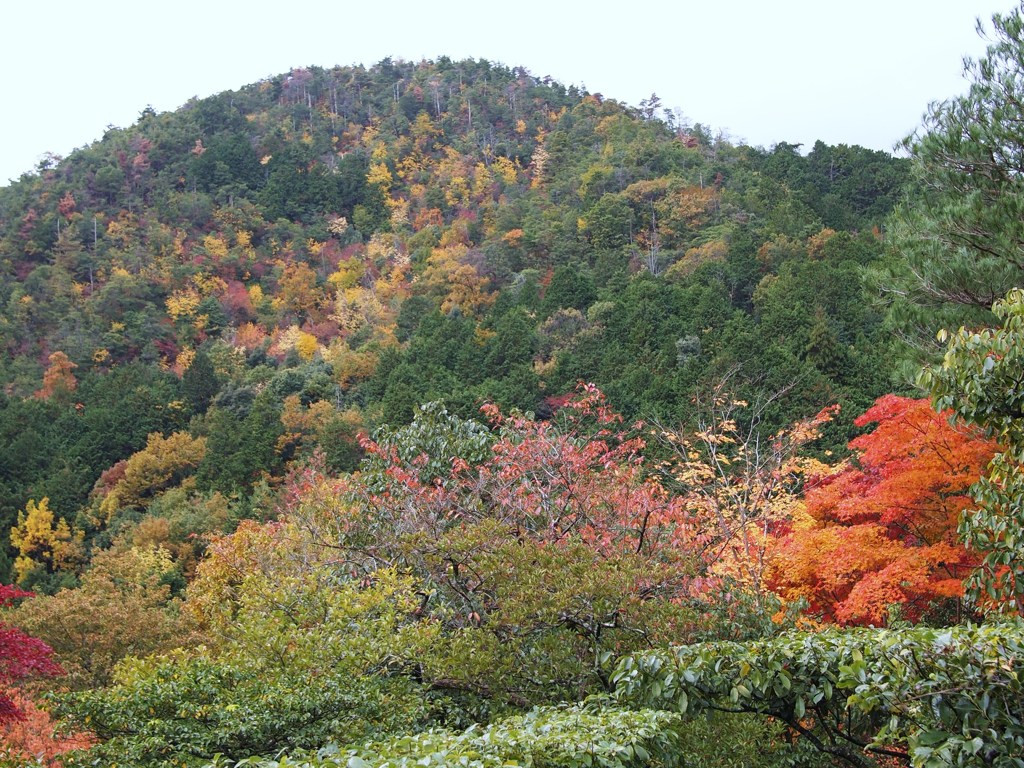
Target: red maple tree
x,y
21,657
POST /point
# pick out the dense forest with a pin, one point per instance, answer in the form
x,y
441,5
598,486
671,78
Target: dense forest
x,y
437,413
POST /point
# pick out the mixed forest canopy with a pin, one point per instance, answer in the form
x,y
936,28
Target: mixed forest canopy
x,y
435,412
276,269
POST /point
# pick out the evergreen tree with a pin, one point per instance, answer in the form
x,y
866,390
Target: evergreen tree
x,y
958,243
199,383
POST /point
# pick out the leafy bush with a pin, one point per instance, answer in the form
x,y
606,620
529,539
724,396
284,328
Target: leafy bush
x,y
933,696
569,737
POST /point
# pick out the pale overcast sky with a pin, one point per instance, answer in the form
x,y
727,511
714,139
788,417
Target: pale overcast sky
x,y
762,70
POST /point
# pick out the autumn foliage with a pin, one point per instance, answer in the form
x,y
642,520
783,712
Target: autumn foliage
x,y
741,487
33,738
579,476
21,657
541,544
27,733
204,314
59,379
880,529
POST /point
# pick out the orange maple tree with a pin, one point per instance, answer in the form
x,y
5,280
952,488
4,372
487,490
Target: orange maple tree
x,y
59,379
880,529
33,738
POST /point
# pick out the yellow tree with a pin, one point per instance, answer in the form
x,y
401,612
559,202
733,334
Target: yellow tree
x,y
122,607
297,291
357,307
450,277
741,484
306,346
44,545
164,462
713,251
302,423
350,366
183,303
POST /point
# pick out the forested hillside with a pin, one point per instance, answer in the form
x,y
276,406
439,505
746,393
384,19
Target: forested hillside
x,y
276,269
374,415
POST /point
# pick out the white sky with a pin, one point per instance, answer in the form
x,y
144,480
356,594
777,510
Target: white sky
x,y
762,70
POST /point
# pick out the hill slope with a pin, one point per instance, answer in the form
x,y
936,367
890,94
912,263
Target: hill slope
x,y
274,269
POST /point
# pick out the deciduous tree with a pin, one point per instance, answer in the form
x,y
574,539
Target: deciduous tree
x,y
164,462
35,738
541,545
44,544
451,277
879,529
21,657
59,380
741,485
122,607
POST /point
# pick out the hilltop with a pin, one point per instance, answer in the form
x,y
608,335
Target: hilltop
x,y
284,266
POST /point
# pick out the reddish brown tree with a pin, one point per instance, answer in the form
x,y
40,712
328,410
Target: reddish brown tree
x,y
34,738
545,544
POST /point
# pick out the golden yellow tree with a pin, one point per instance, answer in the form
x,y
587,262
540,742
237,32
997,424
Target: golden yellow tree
x,y
454,281
741,485
165,461
302,423
44,544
